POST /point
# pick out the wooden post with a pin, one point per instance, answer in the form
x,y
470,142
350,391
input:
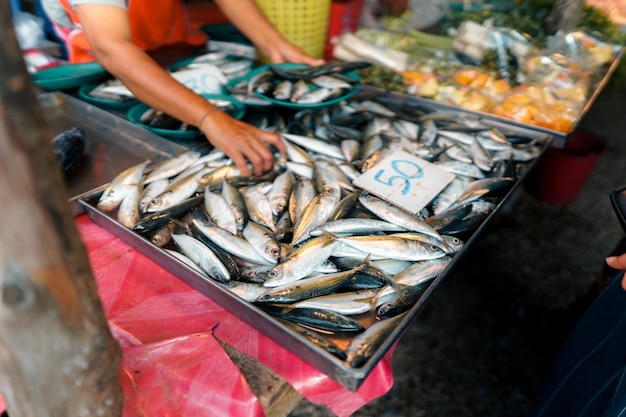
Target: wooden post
x,y
57,356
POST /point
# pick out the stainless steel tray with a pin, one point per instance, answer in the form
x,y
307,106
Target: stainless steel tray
x,y
559,138
340,371
113,143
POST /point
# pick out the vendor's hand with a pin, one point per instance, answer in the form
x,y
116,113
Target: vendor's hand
x,y
619,263
242,142
285,51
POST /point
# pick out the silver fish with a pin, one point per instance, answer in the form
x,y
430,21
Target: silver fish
x,y
236,203
348,302
121,185
283,90
315,145
280,192
302,261
263,241
219,211
150,191
318,285
128,214
172,166
259,207
393,214
364,345
383,247
202,256
232,244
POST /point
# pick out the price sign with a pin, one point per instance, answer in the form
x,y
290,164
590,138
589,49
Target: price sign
x,y
207,79
405,180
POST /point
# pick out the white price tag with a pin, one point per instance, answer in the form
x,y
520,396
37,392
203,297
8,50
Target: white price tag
x,y
405,180
207,79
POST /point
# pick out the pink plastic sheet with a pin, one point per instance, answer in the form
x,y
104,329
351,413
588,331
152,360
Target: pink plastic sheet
x,y
173,365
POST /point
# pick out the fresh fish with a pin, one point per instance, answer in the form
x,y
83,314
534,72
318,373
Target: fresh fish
x,y
121,185
318,340
346,302
302,261
163,235
365,344
256,80
232,244
175,193
150,191
323,320
299,89
263,241
202,256
172,166
328,81
393,214
301,196
322,284
283,90
128,213
185,260
354,226
248,291
155,220
279,193
383,247
236,203
316,214
219,211
258,207
318,95
315,145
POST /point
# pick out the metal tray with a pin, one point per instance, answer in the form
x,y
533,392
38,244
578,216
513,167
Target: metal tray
x,y
349,377
559,138
113,143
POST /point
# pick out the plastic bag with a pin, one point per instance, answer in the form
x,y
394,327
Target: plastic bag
x,y
28,29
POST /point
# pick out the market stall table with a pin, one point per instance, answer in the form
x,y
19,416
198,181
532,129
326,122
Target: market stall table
x,y
173,362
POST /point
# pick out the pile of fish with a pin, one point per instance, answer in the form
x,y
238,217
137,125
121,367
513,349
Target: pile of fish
x,y
158,119
305,85
302,242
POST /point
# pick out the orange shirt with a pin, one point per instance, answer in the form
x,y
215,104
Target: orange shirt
x,y
153,24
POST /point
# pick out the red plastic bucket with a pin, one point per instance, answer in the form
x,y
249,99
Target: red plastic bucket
x,y
560,174
345,16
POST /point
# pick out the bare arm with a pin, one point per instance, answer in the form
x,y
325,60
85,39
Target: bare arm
x,y
246,15
108,31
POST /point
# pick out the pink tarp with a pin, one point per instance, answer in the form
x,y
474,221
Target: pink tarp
x,y
173,365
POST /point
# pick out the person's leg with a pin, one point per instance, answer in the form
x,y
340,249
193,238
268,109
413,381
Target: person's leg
x,y
586,377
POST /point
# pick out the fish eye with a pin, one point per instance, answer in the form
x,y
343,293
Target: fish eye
x,y
271,274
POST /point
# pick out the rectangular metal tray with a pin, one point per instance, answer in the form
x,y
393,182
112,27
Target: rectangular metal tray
x,y
349,377
559,138
112,143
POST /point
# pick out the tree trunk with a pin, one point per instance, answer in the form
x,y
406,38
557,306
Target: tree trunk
x,y
564,16
57,356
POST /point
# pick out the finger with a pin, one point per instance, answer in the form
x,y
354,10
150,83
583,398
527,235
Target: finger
x,y
270,138
240,162
617,262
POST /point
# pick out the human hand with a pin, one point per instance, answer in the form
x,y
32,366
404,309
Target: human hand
x,y
285,51
242,142
619,263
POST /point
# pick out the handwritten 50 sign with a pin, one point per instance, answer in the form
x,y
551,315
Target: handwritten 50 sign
x,y
405,180
207,79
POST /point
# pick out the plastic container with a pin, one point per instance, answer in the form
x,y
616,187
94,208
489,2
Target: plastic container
x,y
345,16
560,174
303,22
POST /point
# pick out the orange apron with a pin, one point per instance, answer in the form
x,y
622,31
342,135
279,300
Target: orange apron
x,y
153,24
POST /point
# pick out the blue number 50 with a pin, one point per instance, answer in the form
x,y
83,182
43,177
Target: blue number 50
x,y
404,176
